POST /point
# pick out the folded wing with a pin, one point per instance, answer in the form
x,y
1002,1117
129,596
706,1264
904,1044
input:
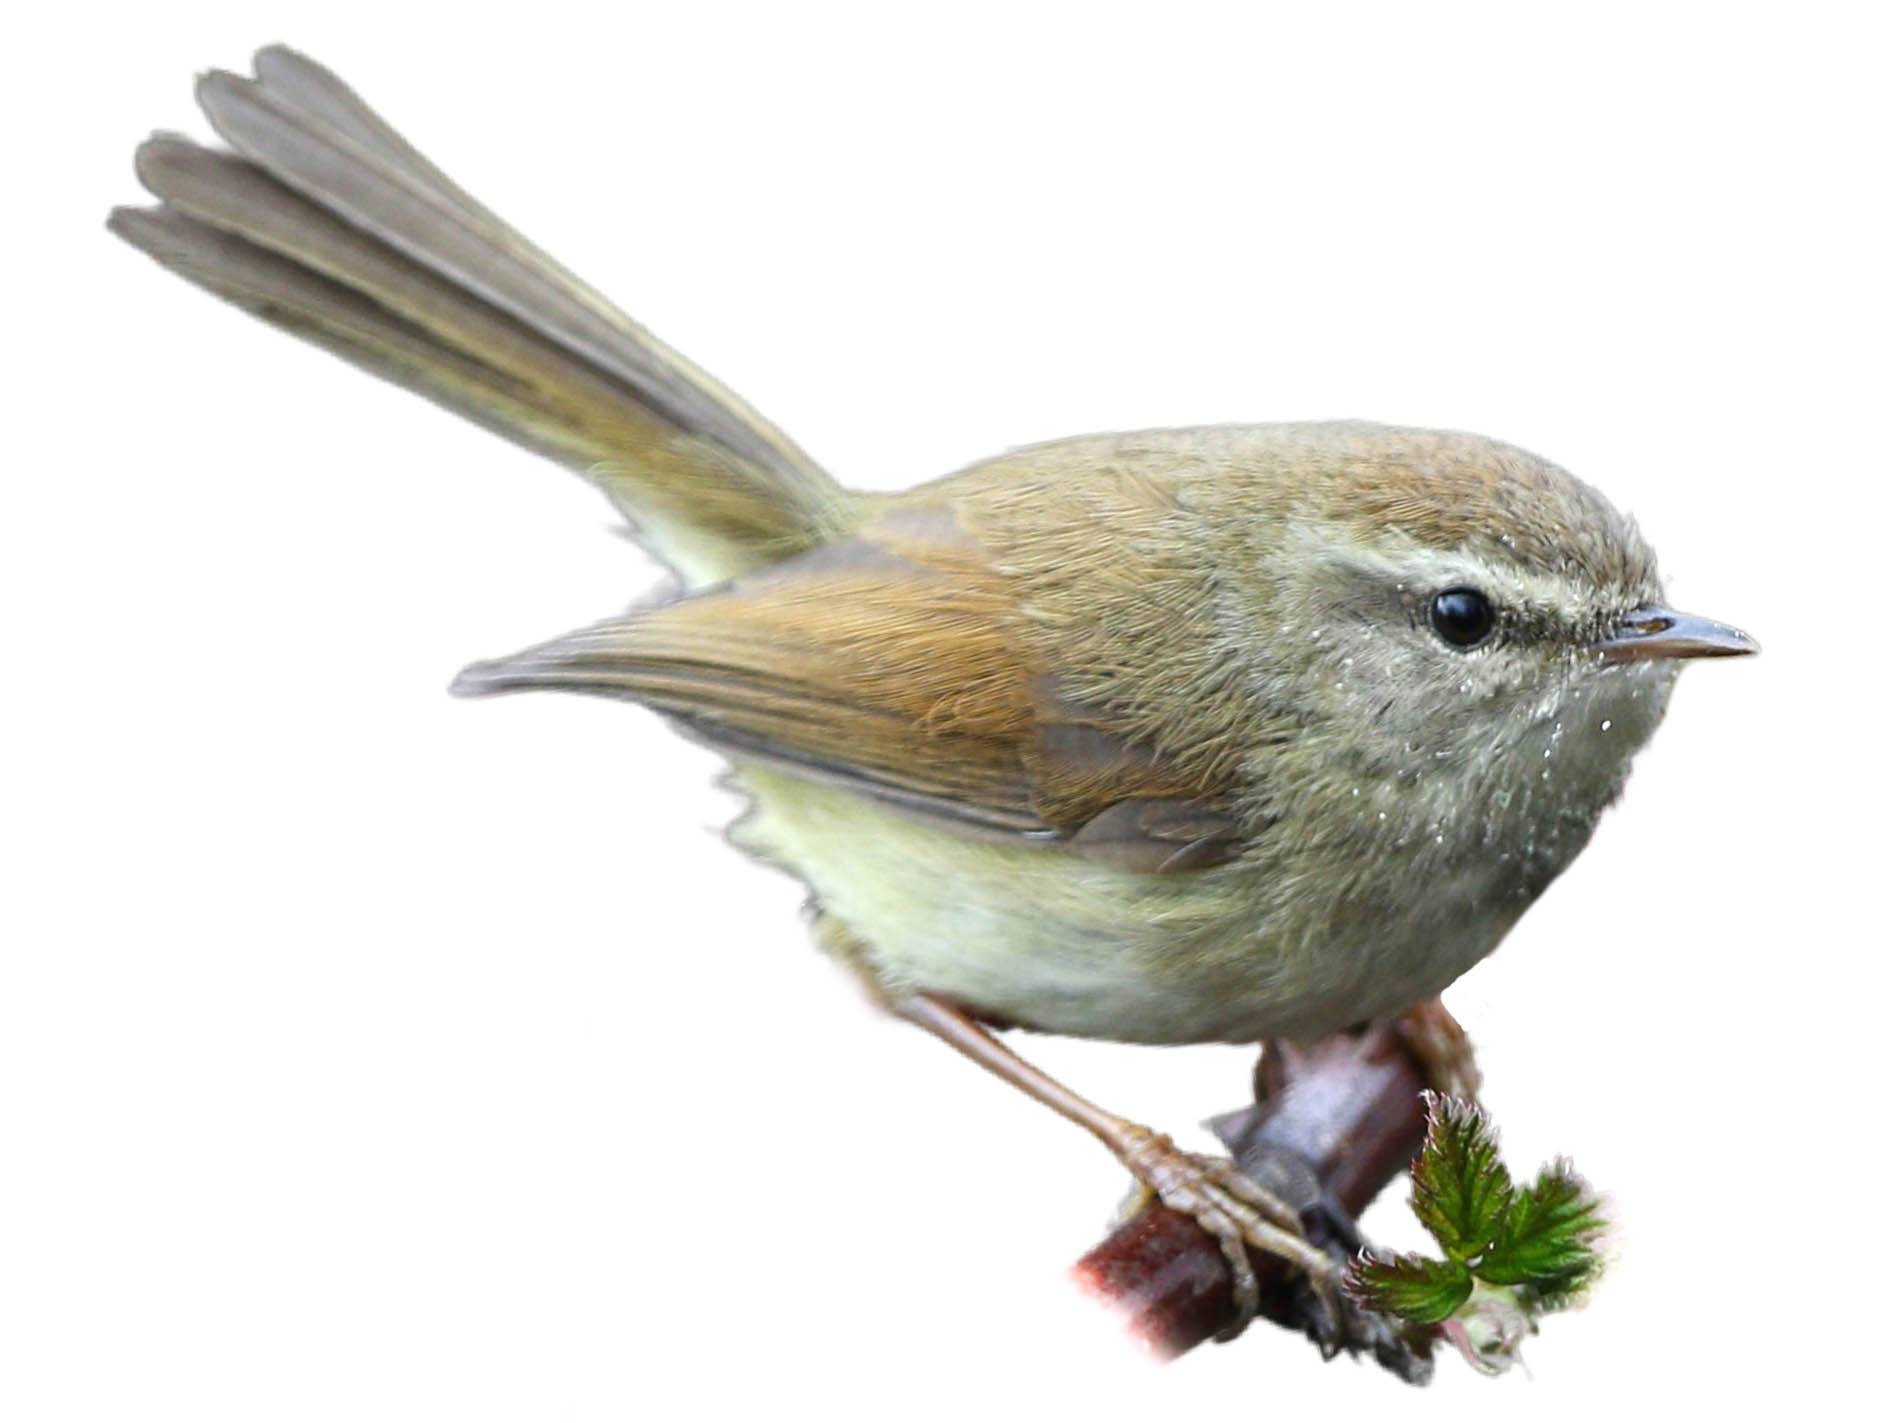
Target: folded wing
x,y
895,664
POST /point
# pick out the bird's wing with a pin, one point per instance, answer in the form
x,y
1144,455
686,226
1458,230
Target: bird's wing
x,y
899,664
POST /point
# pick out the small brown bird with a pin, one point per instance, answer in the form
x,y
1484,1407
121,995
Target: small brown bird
x,y
1207,735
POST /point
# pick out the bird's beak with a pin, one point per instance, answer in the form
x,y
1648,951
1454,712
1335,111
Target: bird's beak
x,y
1646,634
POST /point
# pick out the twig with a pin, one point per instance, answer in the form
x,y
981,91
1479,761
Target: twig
x,y
1333,1125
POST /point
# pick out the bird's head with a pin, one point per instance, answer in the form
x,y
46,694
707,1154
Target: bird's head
x,y
1459,618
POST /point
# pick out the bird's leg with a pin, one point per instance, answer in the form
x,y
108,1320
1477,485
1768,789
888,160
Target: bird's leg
x,y
1210,1190
1435,1041
1441,1049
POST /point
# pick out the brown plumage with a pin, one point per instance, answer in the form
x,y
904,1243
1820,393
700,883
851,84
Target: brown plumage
x,y
909,663
327,223
1172,736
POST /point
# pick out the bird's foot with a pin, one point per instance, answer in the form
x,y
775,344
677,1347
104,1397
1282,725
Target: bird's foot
x,y
1234,1210
1441,1049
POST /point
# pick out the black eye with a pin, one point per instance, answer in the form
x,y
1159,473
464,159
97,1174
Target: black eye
x,y
1462,617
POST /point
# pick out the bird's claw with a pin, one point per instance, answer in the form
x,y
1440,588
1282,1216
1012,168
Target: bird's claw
x,y
1441,1048
1238,1213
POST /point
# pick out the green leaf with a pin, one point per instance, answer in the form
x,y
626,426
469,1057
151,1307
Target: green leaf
x,y
1408,1286
1547,1241
1459,1188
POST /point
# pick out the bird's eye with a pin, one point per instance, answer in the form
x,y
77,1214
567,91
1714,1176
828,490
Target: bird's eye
x,y
1462,617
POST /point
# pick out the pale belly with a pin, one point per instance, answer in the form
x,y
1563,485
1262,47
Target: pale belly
x,y
1050,941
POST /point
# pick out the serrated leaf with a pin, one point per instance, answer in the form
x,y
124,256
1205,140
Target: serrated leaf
x,y
1459,1188
1408,1286
1547,1240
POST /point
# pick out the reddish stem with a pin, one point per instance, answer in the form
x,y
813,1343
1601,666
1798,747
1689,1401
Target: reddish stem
x,y
1349,1108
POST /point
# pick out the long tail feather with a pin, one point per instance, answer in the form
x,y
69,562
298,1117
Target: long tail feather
x,y
328,224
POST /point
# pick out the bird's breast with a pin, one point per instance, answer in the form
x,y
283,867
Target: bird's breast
x,y
1062,944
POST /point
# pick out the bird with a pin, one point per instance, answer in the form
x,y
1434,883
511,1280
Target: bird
x,y
1210,735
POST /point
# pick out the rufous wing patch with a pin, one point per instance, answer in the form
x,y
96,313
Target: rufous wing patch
x,y
893,663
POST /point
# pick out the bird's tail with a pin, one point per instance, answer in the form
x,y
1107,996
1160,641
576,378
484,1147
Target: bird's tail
x,y
325,222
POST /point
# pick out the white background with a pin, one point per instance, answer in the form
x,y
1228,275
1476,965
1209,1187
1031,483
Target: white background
x,y
367,1054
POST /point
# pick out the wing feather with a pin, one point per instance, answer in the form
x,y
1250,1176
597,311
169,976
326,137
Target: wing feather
x,y
897,664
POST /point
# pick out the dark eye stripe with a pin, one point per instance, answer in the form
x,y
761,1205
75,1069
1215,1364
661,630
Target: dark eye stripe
x,y
1462,617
